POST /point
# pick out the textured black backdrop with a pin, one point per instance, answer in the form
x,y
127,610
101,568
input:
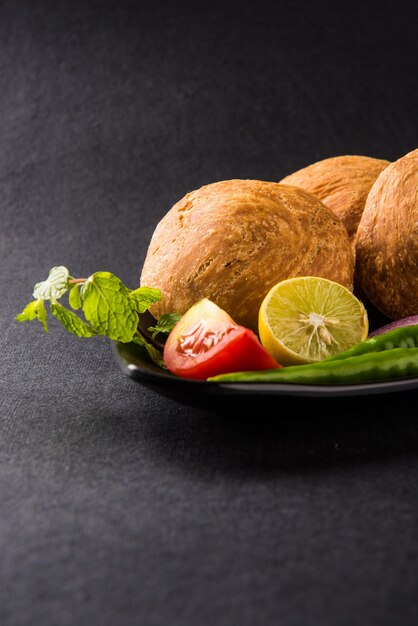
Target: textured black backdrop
x,y
119,506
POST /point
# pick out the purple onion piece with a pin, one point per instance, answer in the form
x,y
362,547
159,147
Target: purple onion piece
x,y
404,321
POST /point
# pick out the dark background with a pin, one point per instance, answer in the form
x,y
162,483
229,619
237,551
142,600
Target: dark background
x,y
119,506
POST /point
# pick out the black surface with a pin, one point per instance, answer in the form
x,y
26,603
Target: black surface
x,y
119,506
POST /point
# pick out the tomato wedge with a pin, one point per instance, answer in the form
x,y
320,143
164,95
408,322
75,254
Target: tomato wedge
x,y
206,342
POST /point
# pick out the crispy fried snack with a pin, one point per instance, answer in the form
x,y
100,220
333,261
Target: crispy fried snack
x,y
387,240
231,241
342,183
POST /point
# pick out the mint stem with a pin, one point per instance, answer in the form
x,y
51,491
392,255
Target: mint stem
x,y
74,281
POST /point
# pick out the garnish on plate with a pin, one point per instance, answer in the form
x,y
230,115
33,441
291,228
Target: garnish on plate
x,y
108,306
205,342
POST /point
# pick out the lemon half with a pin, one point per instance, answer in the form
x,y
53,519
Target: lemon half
x,y
307,319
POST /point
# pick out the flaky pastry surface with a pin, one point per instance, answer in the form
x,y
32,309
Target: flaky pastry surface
x,y
231,241
342,183
387,240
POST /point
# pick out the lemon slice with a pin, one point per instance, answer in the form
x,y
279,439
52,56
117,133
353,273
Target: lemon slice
x,y
307,319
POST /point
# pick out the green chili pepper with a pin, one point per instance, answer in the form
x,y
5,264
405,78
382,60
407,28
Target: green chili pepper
x,y
402,337
363,368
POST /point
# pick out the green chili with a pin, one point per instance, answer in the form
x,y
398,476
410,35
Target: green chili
x,y
402,337
363,368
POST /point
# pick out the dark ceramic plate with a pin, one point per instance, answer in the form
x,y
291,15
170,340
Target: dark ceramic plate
x,y
135,363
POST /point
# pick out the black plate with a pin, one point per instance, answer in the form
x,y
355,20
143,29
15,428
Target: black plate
x,y
135,363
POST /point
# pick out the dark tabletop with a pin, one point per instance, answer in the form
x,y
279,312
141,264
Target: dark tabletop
x,y
119,505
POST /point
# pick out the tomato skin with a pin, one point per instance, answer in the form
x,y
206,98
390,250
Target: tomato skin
x,y
237,350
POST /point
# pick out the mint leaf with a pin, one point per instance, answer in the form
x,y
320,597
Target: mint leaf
x,y
29,312
54,286
34,310
154,354
108,307
41,314
144,297
165,324
71,321
74,297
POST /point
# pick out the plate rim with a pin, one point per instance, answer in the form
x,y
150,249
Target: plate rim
x,y
150,374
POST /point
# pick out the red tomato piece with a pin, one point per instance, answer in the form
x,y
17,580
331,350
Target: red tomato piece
x,y
206,342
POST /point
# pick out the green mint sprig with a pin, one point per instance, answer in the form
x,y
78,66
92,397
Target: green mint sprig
x,y
108,306
164,325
